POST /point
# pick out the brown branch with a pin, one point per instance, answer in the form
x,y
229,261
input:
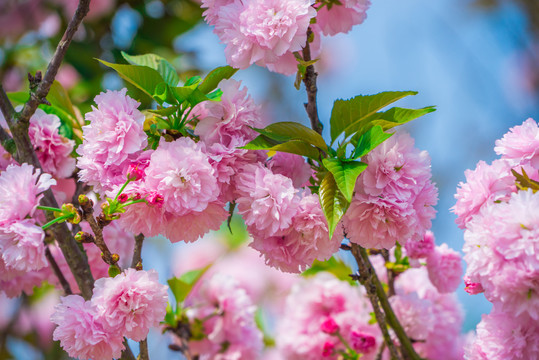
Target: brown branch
x,y
365,277
143,350
127,354
58,272
6,107
391,318
97,228
39,95
391,276
137,253
310,85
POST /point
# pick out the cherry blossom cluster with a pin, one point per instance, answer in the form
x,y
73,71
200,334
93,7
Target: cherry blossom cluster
x,y
268,33
21,238
496,208
126,305
394,197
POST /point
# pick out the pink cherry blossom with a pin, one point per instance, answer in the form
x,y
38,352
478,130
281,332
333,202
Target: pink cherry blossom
x,y
311,302
422,248
485,184
113,138
394,196
260,31
307,239
520,145
414,314
266,201
131,302
292,166
444,340
21,243
472,288
187,184
232,117
228,318
445,269
502,253
80,332
14,282
52,149
501,335
21,186
336,18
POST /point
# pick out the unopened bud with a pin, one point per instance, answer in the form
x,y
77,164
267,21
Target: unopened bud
x,y
137,196
123,198
138,267
135,172
83,199
114,270
329,326
84,237
115,258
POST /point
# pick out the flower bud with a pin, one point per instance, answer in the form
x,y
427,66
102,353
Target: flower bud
x,y
84,237
135,172
471,287
115,258
328,348
123,198
83,199
362,343
329,326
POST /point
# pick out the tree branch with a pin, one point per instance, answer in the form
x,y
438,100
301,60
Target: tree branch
x,y
57,271
88,215
42,90
137,253
310,85
392,320
6,107
365,277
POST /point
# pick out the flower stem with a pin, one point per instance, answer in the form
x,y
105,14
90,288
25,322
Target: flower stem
x,y
122,189
48,208
54,221
134,202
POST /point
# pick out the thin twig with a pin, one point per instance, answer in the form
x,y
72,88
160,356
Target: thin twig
x,y
365,277
390,275
57,271
137,253
37,96
310,85
88,215
392,320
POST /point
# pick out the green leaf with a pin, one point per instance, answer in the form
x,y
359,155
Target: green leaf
x,y
345,174
389,119
347,112
195,80
214,78
261,142
59,98
334,266
144,78
19,97
156,62
284,131
182,286
523,181
190,93
114,270
164,94
297,147
370,140
332,201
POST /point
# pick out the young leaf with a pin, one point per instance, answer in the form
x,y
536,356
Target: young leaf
x,y
299,148
261,142
284,131
144,78
348,112
370,140
164,94
155,62
334,266
345,174
214,78
332,201
393,117
182,286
